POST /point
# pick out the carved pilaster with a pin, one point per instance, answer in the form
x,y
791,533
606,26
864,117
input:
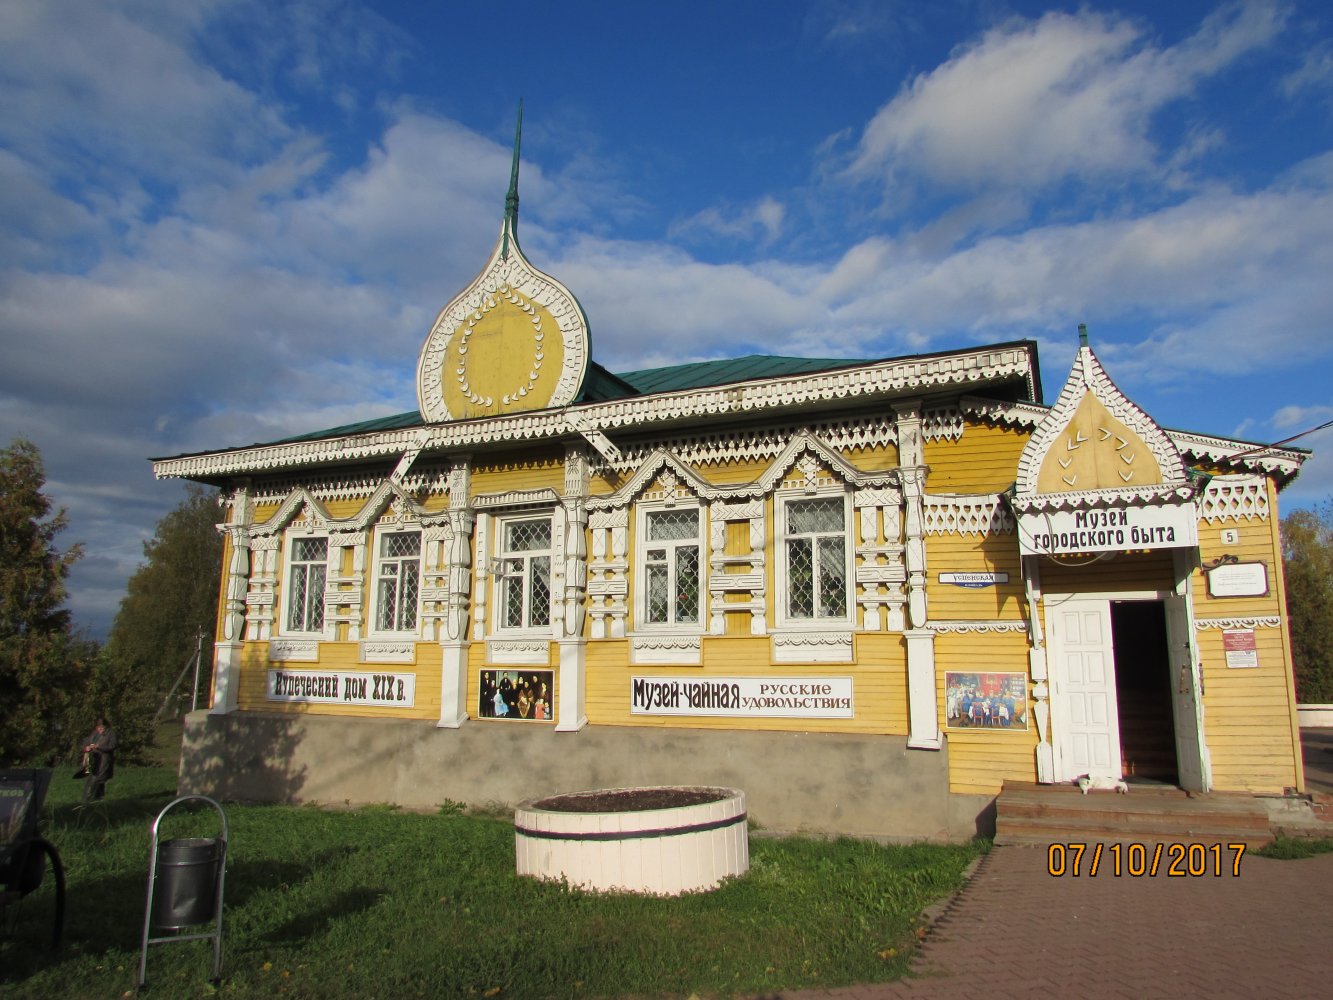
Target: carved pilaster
x,y
608,584
481,579
227,649
912,472
577,484
922,705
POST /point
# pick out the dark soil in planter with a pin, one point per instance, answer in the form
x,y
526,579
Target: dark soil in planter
x,y
631,799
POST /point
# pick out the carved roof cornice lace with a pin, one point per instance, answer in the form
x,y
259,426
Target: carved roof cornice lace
x,y
804,443
389,502
882,380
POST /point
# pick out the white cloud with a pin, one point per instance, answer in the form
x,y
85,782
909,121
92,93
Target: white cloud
x,y
1301,417
1035,102
761,221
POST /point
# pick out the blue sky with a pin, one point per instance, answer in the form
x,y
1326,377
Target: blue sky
x,y
227,221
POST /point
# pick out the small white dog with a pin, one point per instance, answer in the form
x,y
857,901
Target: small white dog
x,y
1087,783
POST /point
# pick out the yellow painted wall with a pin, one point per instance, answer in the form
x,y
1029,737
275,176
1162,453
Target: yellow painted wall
x,y
984,460
973,553
255,665
980,760
1249,714
878,684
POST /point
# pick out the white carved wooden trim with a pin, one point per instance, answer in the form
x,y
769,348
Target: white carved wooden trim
x,y
293,650
959,627
518,652
833,646
237,579
757,444
482,578
515,498
980,514
1255,621
1235,498
881,380
608,564
944,423
388,651
666,650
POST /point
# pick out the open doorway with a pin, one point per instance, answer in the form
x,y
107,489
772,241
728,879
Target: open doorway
x,y
1143,691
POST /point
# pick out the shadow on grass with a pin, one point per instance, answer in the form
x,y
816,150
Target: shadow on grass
x,y
341,906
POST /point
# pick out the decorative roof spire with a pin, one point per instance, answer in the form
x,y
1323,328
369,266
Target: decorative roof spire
x,y
511,199
1082,327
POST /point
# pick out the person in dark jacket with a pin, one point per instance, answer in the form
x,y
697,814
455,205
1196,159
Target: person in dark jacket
x,y
99,751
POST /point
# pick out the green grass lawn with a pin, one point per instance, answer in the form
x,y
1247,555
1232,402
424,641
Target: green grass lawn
x,y
384,904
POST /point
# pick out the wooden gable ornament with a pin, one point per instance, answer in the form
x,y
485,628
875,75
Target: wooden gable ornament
x,y
1100,475
512,341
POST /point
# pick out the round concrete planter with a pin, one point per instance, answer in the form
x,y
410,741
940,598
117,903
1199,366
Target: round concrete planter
x,y
627,842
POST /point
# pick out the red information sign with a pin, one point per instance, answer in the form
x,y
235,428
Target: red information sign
x,y
1240,647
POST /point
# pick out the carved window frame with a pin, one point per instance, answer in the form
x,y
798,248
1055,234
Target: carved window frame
x,y
642,544
499,576
378,537
783,619
291,538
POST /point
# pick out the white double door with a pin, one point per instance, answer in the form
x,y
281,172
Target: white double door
x,y
1085,719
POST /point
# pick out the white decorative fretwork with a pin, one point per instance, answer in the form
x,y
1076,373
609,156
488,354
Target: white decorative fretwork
x,y
1231,498
666,650
297,650
960,627
518,652
1256,621
981,514
812,647
944,423
388,651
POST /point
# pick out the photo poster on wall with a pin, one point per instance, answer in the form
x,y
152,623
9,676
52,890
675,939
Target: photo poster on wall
x,y
517,695
991,702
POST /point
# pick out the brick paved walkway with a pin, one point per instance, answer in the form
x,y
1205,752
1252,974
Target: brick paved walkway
x,y
1015,931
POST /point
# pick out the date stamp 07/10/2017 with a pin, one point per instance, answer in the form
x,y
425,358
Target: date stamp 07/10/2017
x,y
1136,860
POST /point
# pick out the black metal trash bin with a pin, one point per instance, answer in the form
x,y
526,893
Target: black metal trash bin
x,y
185,893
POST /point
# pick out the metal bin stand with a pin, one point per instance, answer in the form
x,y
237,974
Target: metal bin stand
x,y
185,881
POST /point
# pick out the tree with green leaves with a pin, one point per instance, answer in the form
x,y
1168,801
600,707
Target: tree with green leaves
x,y
43,667
1307,560
169,609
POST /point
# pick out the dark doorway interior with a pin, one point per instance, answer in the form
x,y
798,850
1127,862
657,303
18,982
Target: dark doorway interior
x,y
1143,690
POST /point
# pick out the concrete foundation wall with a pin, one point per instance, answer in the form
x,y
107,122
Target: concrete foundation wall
x,y
794,782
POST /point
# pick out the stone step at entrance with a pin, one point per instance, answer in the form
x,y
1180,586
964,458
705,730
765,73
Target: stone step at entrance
x,y
1029,813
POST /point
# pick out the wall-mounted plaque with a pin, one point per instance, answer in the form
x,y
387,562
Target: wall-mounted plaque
x,y
1240,647
1238,580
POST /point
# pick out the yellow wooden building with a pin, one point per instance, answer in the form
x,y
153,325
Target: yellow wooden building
x,y
867,592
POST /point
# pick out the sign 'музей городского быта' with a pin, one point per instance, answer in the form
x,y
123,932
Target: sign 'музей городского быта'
x,y
1111,529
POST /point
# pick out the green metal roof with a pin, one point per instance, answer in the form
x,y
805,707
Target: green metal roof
x,y
728,370
601,385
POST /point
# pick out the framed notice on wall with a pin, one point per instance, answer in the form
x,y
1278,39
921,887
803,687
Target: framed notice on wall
x,y
1248,579
1240,647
